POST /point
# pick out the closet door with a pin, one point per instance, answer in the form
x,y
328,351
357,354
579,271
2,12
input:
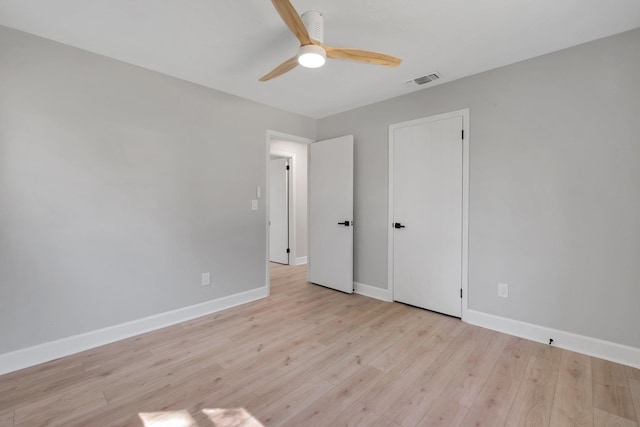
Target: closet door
x,y
427,214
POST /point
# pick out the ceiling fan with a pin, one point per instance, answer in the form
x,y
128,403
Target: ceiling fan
x,y
309,30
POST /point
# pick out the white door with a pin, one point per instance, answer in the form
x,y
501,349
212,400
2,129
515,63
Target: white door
x,y
330,202
278,211
427,191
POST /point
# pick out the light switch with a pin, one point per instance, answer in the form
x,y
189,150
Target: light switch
x,y
254,205
258,192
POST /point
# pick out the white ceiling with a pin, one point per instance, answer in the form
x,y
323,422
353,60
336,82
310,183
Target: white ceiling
x,y
228,45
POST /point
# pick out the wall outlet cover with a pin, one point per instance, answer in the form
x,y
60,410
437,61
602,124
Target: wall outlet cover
x,y
206,279
503,290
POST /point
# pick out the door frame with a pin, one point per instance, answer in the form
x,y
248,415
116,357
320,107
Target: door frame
x,y
465,200
291,203
272,135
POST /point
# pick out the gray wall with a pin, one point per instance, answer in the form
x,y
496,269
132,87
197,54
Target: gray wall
x,y
300,151
118,188
554,197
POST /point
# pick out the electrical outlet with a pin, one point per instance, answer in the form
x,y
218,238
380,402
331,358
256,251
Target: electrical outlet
x,y
254,205
503,290
206,279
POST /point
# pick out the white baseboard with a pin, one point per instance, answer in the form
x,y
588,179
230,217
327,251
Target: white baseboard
x,y
372,291
41,353
301,260
569,341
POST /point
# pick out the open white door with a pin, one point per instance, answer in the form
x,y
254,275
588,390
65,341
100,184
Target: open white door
x,y
330,201
278,212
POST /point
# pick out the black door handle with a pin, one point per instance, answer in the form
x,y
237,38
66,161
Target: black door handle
x,y
398,225
346,223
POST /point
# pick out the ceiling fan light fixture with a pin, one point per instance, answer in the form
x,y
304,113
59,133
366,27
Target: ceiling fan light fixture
x,y
311,56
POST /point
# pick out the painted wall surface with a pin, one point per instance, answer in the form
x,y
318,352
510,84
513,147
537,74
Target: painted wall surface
x,y
119,187
300,151
554,173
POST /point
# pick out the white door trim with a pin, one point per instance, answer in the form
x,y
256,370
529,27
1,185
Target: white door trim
x,y
273,135
465,200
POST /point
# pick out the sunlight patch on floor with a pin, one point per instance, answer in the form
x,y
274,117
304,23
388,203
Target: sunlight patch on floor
x,y
167,419
238,417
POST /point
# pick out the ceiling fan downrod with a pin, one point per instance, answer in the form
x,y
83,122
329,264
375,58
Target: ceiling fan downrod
x,y
314,21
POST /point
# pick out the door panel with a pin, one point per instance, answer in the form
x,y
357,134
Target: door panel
x,y
278,212
330,201
427,201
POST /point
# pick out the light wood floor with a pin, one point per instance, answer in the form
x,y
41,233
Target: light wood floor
x,y
310,356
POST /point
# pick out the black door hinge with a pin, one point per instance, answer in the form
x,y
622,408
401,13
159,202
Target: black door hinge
x,y
462,133
287,167
460,292
289,250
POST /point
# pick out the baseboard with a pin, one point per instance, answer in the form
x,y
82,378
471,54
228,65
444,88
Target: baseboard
x,y
46,352
301,260
372,291
618,353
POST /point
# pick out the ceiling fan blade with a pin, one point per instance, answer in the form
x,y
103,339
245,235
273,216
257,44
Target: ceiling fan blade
x,y
292,19
362,56
287,65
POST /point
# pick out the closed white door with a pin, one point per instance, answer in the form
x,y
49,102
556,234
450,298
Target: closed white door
x,y
278,211
427,185
330,202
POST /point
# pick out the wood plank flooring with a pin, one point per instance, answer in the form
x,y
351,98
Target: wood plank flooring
x,y
310,356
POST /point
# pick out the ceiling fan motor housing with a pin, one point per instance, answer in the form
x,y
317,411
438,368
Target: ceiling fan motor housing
x,y
314,21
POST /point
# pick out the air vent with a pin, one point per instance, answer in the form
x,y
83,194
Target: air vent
x,y
418,81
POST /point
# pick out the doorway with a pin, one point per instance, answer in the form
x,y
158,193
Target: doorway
x,y
428,212
293,148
